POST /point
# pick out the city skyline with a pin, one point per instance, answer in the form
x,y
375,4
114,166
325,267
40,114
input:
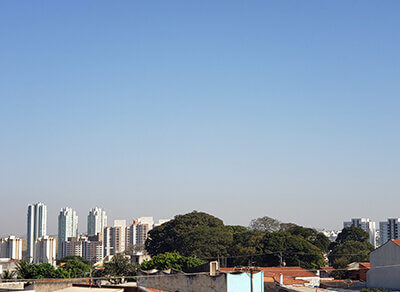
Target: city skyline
x,y
84,223
241,110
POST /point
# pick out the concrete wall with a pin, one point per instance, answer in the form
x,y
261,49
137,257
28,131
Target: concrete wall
x,y
385,267
184,282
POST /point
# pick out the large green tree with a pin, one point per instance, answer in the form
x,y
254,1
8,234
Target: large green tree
x,y
292,249
194,234
311,235
351,234
351,245
246,244
171,260
119,266
76,268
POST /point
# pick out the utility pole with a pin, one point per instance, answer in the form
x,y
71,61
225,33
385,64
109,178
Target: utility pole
x,y
280,259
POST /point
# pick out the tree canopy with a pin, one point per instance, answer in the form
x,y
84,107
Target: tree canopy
x,y
171,260
194,234
311,235
295,251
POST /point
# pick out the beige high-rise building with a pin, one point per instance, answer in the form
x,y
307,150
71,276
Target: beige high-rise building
x,y
45,250
11,247
114,238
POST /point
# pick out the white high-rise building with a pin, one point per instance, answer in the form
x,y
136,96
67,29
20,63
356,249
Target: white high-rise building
x,y
45,250
67,227
389,229
36,226
11,247
97,220
365,224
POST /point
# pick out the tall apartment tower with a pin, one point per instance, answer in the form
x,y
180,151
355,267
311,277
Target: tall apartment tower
x,y
67,227
36,226
11,247
365,224
389,229
96,221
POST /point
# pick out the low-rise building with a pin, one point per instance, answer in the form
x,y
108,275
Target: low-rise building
x,y
385,266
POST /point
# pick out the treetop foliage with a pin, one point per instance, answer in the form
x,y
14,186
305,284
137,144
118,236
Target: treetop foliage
x,y
171,260
194,234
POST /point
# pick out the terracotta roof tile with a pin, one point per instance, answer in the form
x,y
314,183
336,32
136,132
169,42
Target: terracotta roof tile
x,y
396,241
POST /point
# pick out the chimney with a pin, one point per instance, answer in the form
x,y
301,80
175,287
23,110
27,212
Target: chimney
x,y
214,267
281,279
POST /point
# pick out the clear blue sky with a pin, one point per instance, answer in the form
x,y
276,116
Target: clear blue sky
x,y
238,108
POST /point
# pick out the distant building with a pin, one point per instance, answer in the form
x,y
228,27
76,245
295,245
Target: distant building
x,y
90,248
11,247
36,226
144,226
161,221
114,238
389,229
367,225
385,266
137,232
73,246
93,251
45,250
131,235
67,227
96,221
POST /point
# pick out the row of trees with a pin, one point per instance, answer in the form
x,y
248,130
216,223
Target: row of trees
x,y
266,242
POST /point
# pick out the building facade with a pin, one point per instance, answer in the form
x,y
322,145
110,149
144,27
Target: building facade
x,y
365,224
45,250
96,221
389,229
36,226
11,247
385,266
67,227
114,240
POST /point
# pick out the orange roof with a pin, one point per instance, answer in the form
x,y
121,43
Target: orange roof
x,y
328,269
365,265
271,274
396,241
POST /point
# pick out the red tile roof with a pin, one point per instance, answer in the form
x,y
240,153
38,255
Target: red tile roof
x,y
396,241
365,266
271,274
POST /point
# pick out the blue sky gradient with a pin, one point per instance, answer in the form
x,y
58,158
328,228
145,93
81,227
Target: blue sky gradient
x,y
241,109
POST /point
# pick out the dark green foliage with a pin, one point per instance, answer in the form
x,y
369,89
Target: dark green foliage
x,y
265,224
68,258
171,260
76,268
7,275
350,234
39,271
348,252
295,251
194,234
311,235
372,290
245,243
119,266
350,246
